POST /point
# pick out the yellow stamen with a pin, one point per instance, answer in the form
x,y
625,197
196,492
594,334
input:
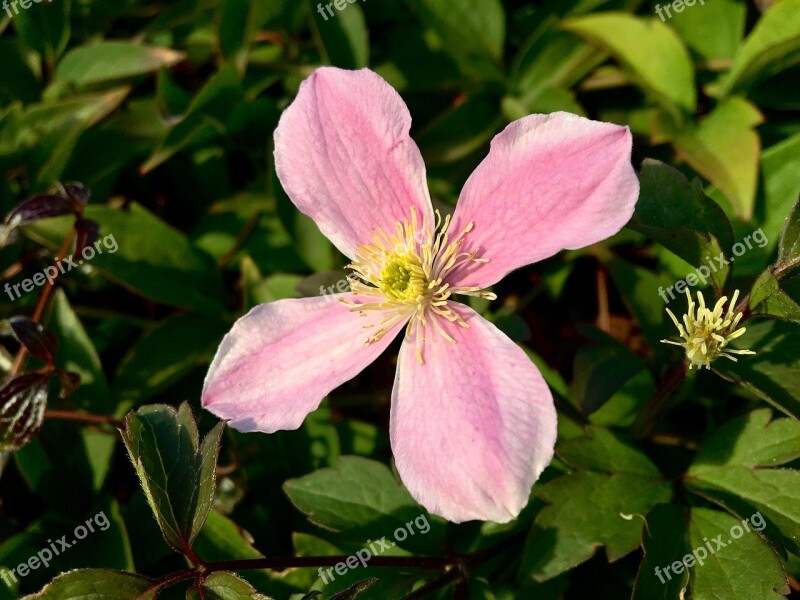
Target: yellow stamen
x,y
705,336
404,275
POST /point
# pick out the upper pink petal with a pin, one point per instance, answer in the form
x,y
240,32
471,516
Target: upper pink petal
x,y
282,358
474,426
344,156
550,182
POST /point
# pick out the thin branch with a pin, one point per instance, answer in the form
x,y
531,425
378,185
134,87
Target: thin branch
x,y
67,415
41,303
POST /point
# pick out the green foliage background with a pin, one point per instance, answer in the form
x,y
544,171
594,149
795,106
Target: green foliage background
x,y
165,110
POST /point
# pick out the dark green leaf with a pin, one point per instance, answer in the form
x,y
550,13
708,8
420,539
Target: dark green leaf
x,y
678,215
596,505
175,470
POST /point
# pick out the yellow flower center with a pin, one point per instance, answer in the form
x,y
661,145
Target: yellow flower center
x,y
402,277
404,273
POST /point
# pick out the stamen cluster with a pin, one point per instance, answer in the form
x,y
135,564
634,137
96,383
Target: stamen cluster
x,y
404,274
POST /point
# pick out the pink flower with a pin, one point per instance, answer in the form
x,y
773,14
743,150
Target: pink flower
x,y
472,423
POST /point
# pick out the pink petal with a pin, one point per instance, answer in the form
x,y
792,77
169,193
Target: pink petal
x,y
282,358
549,182
344,156
472,428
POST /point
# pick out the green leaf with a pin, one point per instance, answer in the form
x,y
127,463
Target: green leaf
x,y
67,466
595,505
164,355
666,539
772,46
237,25
724,148
773,374
343,36
225,586
651,53
44,28
678,215
176,272
754,440
110,61
97,583
789,245
737,469
361,498
768,299
471,31
713,30
744,568
175,470
204,119
77,354
550,60
600,372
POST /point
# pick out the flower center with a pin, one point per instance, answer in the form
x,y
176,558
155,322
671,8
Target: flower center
x,y
404,274
402,277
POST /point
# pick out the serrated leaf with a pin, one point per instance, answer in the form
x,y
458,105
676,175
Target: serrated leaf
x,y
175,470
678,215
97,583
593,506
745,568
736,468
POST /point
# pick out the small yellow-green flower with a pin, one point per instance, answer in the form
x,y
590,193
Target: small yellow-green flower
x,y
706,335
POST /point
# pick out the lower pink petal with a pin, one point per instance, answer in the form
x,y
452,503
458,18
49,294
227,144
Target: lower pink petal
x,y
281,359
550,182
474,426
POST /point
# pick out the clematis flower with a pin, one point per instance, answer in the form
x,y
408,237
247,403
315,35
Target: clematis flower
x,y
706,335
472,420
